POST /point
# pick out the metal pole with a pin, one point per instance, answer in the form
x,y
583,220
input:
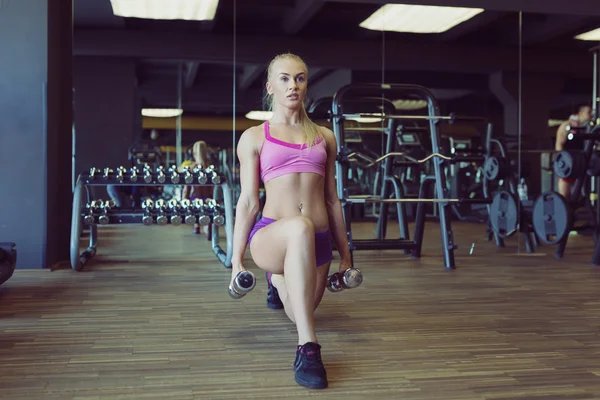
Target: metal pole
x,y
178,126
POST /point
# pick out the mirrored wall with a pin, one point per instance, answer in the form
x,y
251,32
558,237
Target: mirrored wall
x,y
178,91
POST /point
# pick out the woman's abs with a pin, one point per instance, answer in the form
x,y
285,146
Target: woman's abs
x,y
297,195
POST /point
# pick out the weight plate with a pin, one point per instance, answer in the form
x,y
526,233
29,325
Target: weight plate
x,y
492,168
504,217
569,164
551,217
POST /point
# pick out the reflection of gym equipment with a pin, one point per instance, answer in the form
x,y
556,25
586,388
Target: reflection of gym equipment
x,y
507,214
94,212
553,216
392,187
142,154
8,260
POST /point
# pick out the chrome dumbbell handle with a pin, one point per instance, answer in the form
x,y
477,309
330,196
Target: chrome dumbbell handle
x,y
242,284
188,176
121,171
161,218
134,174
161,177
214,177
202,177
147,218
215,210
107,205
186,206
203,218
350,279
174,209
93,172
174,174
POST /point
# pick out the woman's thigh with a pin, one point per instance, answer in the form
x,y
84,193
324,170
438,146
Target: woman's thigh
x,y
269,244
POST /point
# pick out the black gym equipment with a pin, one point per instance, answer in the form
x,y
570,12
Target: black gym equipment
x,y
507,213
91,212
554,217
435,183
8,260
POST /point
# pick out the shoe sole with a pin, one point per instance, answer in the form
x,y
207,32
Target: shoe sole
x,y
311,386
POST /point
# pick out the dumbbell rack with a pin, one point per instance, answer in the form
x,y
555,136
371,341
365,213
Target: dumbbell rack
x,y
114,215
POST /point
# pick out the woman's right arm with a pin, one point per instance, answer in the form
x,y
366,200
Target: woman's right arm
x,y
248,204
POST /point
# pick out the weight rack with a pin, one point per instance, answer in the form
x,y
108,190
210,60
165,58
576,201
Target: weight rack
x,y
85,212
438,180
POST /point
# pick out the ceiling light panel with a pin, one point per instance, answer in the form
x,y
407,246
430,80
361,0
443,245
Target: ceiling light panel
x,y
191,10
418,19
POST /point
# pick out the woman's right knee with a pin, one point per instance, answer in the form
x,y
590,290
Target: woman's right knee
x,y
299,228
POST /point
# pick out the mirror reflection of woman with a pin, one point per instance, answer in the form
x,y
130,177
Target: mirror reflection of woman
x,y
200,159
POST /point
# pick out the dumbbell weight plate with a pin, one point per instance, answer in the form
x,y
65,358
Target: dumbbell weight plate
x,y
551,218
504,216
493,169
568,164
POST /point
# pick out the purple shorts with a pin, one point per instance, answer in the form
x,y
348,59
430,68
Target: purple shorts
x,y
323,246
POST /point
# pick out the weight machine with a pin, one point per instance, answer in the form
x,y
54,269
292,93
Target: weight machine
x,y
8,260
507,214
435,183
93,212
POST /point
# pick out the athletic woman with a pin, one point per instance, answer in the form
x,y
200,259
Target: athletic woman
x,y
292,242
200,153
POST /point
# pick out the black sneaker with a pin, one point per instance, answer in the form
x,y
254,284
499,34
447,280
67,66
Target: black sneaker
x,y
273,300
308,367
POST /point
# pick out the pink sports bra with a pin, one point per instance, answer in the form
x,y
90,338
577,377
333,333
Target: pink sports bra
x,y
280,158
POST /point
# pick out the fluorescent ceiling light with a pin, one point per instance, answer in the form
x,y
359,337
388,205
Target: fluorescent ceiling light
x,y
410,104
259,115
418,19
162,112
554,122
591,35
191,10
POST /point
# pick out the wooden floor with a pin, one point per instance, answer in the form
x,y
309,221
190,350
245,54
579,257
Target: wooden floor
x,y
150,318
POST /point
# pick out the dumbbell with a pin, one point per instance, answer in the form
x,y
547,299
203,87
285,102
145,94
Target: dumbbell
x,y
202,177
121,171
107,172
93,172
190,218
203,218
161,177
147,205
90,219
215,210
134,171
174,174
350,279
212,174
174,208
161,212
189,178
105,206
243,283
147,174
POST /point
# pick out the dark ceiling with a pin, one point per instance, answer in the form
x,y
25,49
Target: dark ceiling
x,y
326,34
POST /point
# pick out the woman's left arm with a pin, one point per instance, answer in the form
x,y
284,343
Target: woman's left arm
x,y
337,225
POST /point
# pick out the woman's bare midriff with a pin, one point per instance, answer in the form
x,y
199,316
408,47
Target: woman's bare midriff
x,y
297,194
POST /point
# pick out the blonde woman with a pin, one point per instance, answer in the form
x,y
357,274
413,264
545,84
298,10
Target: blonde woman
x,y
292,242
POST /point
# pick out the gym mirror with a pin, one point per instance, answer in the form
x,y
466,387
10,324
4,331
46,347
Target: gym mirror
x,y
154,96
559,175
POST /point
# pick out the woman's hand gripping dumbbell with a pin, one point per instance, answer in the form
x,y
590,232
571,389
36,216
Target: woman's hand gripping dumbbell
x,y
349,278
243,282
